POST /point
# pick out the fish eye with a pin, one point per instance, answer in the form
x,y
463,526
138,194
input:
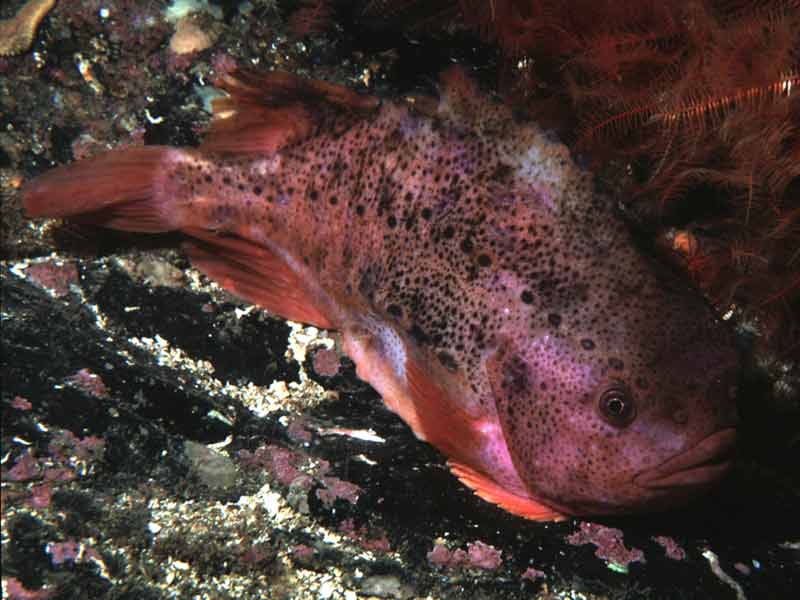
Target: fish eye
x,y
616,406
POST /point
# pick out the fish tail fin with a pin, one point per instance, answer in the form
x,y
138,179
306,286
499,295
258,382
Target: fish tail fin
x,y
123,189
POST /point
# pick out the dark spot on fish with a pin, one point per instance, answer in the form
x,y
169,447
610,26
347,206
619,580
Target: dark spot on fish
x,y
587,344
554,319
466,245
515,378
391,222
333,200
360,210
426,213
366,284
501,172
484,260
257,190
209,179
393,140
419,336
616,364
526,296
226,180
448,362
449,232
395,310
385,202
313,194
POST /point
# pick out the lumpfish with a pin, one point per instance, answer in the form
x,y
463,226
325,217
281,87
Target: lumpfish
x,y
481,285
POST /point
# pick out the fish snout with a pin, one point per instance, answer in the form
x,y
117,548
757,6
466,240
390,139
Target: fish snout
x,y
702,464
713,419
721,397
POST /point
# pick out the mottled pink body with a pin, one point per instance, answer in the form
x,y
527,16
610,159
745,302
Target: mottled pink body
x,y
481,286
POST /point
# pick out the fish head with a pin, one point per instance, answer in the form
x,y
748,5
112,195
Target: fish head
x,y
634,413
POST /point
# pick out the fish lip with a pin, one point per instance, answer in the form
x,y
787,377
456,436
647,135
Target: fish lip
x,y
701,464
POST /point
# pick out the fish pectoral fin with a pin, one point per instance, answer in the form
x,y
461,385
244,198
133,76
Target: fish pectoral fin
x,y
381,360
256,274
394,367
492,492
265,112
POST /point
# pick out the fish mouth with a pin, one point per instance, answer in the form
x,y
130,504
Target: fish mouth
x,y
701,464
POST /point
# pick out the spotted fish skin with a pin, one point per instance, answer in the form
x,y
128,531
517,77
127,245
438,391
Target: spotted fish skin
x,y
483,287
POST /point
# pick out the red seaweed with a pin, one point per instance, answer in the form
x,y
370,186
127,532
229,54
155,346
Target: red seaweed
x,y
54,275
478,555
89,382
609,542
672,548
